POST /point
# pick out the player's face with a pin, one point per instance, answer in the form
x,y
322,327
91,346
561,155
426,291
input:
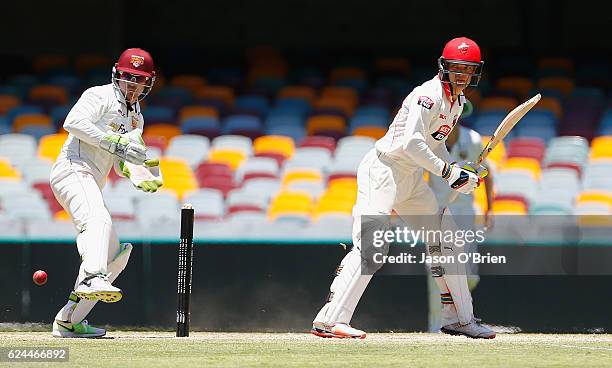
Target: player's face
x,y
460,74
132,86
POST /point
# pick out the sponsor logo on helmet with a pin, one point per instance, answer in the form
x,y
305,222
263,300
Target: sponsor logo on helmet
x,y
137,61
442,132
463,48
426,102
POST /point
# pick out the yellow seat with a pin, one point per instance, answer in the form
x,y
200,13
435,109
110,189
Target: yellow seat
x,y
328,206
595,196
562,84
197,111
7,102
343,184
178,176
62,215
167,131
302,175
550,104
372,131
325,123
24,120
601,147
290,203
523,163
519,85
232,157
274,144
498,103
336,195
50,146
303,92
498,155
190,82
8,172
508,207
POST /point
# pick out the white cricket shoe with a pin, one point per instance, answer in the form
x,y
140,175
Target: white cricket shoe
x,y
76,330
337,330
473,329
97,287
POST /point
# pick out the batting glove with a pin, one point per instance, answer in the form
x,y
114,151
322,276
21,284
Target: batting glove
x,y
463,177
124,148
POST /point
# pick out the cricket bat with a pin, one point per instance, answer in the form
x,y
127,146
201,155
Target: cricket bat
x,y
502,131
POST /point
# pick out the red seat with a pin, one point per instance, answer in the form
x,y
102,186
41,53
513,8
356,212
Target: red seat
x,y
214,169
221,183
243,208
341,175
565,165
258,175
156,141
529,152
319,141
47,193
277,156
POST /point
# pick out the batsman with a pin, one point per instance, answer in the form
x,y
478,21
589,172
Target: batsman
x,y
390,178
104,129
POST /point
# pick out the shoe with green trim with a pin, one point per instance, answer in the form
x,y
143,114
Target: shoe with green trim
x,y
76,330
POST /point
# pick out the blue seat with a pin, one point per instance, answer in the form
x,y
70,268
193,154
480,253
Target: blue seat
x,y
158,114
69,81
268,85
23,109
254,103
201,124
363,120
280,120
241,123
37,131
5,126
606,119
360,85
540,118
294,131
12,90
176,96
295,105
225,76
59,113
489,117
545,133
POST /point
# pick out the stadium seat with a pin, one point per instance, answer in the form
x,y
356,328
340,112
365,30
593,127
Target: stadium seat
x,y
508,207
7,171
206,126
561,84
505,104
392,65
49,94
601,147
236,142
371,131
208,203
178,176
229,156
190,82
245,125
50,146
219,93
319,141
529,165
310,157
196,111
191,148
275,144
7,103
301,175
549,104
17,147
521,86
25,120
298,92
240,200
167,131
290,203
252,104
319,125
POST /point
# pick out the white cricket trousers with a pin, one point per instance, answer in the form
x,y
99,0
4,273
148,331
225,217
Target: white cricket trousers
x,y
383,187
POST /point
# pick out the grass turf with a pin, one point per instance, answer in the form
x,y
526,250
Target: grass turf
x,y
161,349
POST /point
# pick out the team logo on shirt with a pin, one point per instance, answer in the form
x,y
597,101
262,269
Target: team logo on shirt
x,y
426,102
442,132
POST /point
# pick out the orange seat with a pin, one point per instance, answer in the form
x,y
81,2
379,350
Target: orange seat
x,y
562,84
190,82
372,131
49,62
50,146
601,147
339,103
197,111
327,206
556,63
551,104
87,62
52,93
24,120
498,103
325,123
7,102
274,144
340,93
508,207
167,131
303,92
519,85
340,73
223,93
393,65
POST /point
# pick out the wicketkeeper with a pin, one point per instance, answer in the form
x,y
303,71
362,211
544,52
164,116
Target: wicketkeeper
x,y
105,128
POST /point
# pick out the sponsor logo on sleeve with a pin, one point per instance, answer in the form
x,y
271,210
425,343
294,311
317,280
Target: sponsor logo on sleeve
x,y
426,102
442,132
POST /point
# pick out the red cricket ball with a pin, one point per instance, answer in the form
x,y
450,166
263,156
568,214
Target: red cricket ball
x,y
39,277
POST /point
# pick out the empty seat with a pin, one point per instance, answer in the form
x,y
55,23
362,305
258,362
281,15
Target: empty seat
x,y
234,142
191,148
274,144
257,167
207,202
167,131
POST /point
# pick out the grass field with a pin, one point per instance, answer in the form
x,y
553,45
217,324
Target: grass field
x,y
207,349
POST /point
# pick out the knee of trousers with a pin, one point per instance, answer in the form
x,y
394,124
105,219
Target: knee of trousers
x,y
118,264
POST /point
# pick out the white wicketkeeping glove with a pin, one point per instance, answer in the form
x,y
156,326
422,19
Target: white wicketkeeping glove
x,y
464,177
129,147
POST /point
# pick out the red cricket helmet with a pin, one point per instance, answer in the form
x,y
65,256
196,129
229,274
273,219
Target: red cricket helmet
x,y
464,51
134,66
